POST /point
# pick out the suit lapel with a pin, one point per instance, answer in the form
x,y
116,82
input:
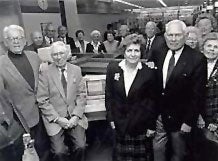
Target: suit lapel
x,y
34,64
57,81
71,82
16,74
120,82
214,71
179,66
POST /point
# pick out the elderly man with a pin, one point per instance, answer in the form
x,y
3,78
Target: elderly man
x,y
49,34
182,73
62,104
37,42
19,77
63,36
152,41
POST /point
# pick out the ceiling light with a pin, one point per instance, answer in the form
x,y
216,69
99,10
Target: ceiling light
x,y
130,4
162,3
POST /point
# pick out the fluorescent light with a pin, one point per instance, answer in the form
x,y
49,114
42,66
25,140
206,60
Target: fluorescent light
x,y
162,3
130,4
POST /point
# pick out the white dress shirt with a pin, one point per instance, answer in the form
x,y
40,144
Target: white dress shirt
x,y
151,41
166,63
129,76
65,72
210,66
95,46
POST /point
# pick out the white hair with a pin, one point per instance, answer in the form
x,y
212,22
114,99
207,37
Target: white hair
x,y
58,44
179,22
9,28
95,32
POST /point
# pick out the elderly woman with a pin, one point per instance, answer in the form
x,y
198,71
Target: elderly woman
x,y
210,50
110,44
192,37
130,102
95,46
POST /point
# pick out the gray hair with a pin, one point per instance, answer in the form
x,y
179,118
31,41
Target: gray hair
x,y
9,28
181,23
192,29
95,32
59,44
210,36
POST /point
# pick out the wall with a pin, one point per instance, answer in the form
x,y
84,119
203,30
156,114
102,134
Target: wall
x,y
32,21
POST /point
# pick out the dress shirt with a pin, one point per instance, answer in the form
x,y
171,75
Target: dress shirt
x,y
47,39
210,66
65,72
129,76
166,63
151,41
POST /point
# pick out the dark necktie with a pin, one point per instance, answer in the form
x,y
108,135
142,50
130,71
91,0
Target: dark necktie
x,y
50,40
82,45
171,65
148,45
64,82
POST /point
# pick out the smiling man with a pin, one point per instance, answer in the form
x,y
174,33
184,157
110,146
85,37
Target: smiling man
x,y
182,80
62,105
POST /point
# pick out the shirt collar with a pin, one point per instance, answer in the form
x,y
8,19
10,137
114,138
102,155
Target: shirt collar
x,y
65,68
122,65
151,39
95,44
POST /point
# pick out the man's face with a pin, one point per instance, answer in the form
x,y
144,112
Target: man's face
x,y
59,55
175,37
205,26
15,41
192,40
37,38
123,30
96,38
211,49
132,53
62,31
150,29
50,31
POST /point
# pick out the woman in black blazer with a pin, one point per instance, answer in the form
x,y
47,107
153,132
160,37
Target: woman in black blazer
x,y
95,46
130,102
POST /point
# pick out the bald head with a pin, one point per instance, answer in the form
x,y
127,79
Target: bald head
x,y
150,29
36,38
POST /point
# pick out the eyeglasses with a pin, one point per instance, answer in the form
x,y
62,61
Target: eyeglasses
x,y
15,38
61,54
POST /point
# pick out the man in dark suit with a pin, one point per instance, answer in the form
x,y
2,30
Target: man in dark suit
x,y
182,74
152,40
63,36
19,77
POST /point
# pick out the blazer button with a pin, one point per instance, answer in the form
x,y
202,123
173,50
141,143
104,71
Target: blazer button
x,y
162,93
169,117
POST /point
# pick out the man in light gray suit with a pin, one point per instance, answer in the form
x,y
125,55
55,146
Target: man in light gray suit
x,y
62,104
19,77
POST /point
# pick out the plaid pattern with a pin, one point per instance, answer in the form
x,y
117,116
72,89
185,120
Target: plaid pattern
x,y
212,96
130,148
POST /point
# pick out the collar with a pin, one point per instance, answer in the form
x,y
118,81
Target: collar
x,y
93,44
13,55
65,68
178,52
122,65
151,39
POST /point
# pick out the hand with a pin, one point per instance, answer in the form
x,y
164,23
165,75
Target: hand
x,y
73,121
185,128
150,133
212,127
112,125
201,122
63,122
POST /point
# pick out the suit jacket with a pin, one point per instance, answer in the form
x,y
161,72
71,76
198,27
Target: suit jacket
x,y
34,48
10,129
23,96
212,96
79,47
184,93
52,100
157,42
135,113
90,48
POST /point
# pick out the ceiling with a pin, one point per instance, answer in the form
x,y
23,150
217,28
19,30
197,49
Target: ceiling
x,y
169,3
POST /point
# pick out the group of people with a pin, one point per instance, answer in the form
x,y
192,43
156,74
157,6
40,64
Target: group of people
x,y
161,108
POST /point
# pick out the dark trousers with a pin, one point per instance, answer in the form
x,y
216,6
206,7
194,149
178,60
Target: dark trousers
x,y
42,145
13,152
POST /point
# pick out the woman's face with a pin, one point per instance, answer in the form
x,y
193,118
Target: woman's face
x,y
132,53
192,40
211,49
